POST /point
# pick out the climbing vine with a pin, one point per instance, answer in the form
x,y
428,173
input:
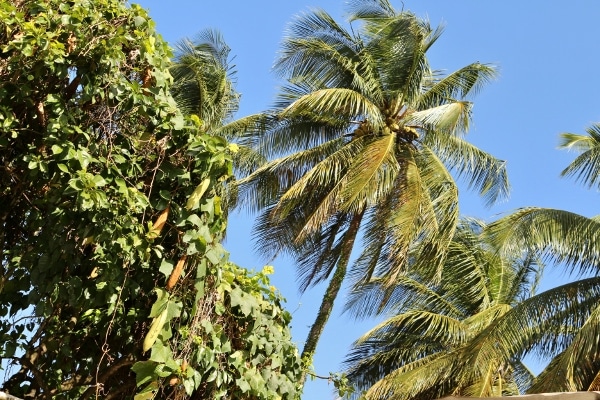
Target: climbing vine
x,y
113,281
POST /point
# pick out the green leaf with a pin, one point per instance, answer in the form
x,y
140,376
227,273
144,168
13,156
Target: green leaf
x,y
212,376
189,386
242,300
99,181
166,267
138,20
148,392
162,298
173,309
144,371
242,384
195,220
161,353
214,256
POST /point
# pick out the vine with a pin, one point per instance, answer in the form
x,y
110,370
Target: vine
x,y
113,281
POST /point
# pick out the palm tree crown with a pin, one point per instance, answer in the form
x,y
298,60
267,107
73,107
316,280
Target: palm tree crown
x,y
204,79
570,241
421,350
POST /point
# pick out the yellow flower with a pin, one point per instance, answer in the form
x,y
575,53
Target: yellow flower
x,y
268,270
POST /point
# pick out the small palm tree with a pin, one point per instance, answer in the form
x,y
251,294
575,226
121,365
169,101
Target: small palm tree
x,y
204,80
573,241
362,139
420,352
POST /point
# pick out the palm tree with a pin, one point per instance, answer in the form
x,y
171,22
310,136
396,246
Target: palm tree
x,y
420,351
469,335
572,240
204,80
362,138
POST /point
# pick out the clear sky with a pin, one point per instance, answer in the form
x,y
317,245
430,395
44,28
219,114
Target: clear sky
x,y
548,54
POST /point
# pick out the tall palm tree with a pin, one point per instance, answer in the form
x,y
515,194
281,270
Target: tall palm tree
x,y
362,138
419,352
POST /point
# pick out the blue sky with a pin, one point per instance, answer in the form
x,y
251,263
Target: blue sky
x,y
548,55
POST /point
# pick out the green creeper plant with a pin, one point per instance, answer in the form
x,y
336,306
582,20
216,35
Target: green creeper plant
x,y
113,281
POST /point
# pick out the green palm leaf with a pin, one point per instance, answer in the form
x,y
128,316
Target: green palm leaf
x,y
458,84
574,368
449,118
344,103
204,79
437,340
586,167
482,171
559,236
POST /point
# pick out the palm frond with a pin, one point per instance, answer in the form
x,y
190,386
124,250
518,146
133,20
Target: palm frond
x,y
586,166
324,182
467,80
482,171
285,136
366,300
320,252
443,197
576,367
416,379
320,53
380,239
371,174
204,79
474,293
433,326
369,9
414,217
239,130
556,235
549,314
452,118
281,174
345,103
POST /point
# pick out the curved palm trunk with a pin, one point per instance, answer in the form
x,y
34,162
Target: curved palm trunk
x,y
331,293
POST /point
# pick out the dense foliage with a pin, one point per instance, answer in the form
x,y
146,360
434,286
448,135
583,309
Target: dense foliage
x,y
112,277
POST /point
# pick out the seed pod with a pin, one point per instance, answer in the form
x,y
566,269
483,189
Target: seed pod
x,y
160,221
176,273
196,195
155,328
184,365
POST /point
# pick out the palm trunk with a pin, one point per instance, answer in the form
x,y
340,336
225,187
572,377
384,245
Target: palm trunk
x,y
331,293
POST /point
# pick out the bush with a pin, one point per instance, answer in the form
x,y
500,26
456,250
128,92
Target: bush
x,y
111,222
